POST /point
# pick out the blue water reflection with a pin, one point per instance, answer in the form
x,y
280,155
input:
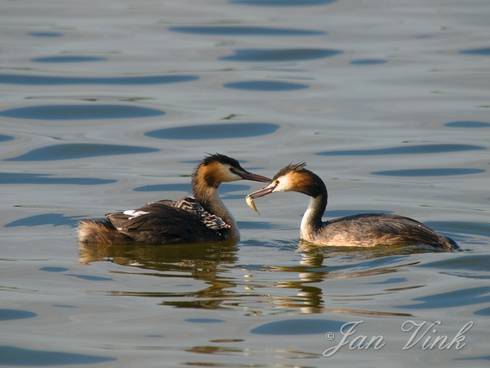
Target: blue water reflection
x,y
32,79
79,150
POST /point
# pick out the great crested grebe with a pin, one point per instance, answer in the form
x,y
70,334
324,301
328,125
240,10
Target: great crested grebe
x,y
203,218
364,230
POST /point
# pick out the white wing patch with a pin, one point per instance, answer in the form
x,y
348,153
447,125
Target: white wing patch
x,y
133,213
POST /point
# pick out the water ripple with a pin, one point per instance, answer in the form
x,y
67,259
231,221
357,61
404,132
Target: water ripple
x,y
15,356
79,150
215,131
244,31
253,55
8,314
367,61
80,112
67,59
283,2
265,85
468,124
45,34
4,138
479,262
204,320
404,150
482,51
462,227
430,172
53,269
28,79
31,178
455,298
302,326
54,219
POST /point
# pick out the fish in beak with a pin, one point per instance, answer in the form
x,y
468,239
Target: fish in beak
x,y
259,193
264,191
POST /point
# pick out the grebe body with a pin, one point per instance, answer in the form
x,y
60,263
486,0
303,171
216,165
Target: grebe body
x,y
202,218
364,230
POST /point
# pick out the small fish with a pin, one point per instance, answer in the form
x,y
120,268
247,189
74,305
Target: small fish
x,y
251,203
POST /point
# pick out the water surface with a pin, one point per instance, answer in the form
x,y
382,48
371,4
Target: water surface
x,y
405,150
37,79
31,178
483,51
46,34
368,61
72,151
468,124
54,219
436,171
266,86
244,31
79,112
67,59
106,108
4,138
283,2
215,131
278,55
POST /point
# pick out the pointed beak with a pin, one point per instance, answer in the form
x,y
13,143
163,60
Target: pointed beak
x,y
254,177
263,192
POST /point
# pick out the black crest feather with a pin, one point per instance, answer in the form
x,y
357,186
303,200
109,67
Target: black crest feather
x,y
312,187
291,167
218,157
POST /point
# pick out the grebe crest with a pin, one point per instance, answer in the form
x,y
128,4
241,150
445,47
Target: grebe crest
x,y
364,230
200,219
294,178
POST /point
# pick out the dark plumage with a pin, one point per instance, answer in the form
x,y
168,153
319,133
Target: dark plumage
x,y
218,157
163,224
365,230
200,219
380,229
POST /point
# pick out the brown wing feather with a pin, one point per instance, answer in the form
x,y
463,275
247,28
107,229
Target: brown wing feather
x,y
163,224
377,229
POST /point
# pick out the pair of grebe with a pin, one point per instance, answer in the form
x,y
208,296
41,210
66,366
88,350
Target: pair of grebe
x,y
204,218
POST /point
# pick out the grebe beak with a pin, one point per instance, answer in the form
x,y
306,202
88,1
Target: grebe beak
x,y
264,191
249,176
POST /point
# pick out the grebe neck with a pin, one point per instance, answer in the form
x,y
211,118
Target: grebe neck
x,y
312,218
208,197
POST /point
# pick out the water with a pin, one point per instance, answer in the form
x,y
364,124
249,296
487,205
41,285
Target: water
x,y
108,107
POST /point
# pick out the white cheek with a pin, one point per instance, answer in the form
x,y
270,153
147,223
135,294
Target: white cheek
x,y
283,186
233,177
228,175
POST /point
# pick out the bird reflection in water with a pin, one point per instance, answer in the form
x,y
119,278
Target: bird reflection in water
x,y
203,262
227,287
310,296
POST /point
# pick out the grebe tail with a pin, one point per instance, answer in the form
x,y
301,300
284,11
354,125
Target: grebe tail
x,y
203,218
364,230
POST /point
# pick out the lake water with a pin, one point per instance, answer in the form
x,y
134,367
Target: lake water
x,y
108,105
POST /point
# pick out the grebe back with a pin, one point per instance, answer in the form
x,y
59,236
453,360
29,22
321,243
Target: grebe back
x,y
364,230
203,218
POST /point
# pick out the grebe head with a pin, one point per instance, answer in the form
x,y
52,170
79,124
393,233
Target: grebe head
x,y
216,169
293,178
